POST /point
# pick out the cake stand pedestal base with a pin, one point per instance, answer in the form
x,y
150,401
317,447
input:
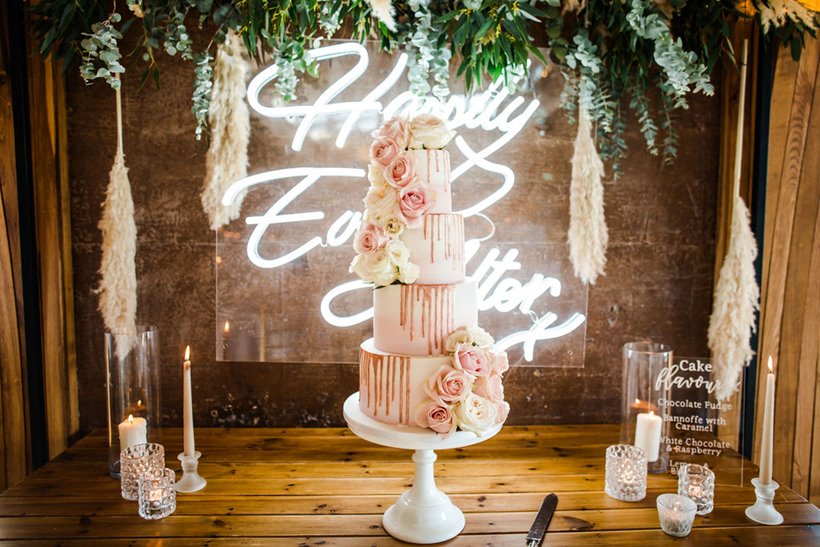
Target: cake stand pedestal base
x,y
423,514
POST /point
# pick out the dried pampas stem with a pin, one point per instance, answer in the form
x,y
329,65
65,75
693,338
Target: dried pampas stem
x,y
227,158
736,293
587,234
383,11
118,287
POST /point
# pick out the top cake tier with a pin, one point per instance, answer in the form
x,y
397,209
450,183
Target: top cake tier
x,y
433,168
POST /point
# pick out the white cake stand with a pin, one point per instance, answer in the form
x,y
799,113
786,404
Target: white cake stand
x,y
423,514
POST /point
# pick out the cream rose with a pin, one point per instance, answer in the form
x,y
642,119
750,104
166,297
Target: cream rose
x,y
383,151
428,131
396,130
490,387
472,360
375,174
500,362
368,238
392,226
408,273
398,252
476,414
414,200
448,385
401,171
502,410
375,268
380,203
436,417
474,336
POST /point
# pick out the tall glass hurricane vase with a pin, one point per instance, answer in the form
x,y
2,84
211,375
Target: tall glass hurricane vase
x,y
643,421
132,390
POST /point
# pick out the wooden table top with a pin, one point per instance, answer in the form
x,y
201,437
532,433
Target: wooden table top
x,y
327,487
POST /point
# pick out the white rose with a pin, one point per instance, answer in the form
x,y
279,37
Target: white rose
x,y
457,338
428,131
398,252
480,337
375,268
379,203
392,226
476,414
375,174
408,273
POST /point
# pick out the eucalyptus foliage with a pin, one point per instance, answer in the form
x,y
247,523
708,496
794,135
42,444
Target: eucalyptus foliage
x,y
621,59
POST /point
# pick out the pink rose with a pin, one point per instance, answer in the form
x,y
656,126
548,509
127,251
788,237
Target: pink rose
x,y
503,410
436,417
414,200
396,130
368,239
490,387
500,364
383,150
401,171
449,385
472,360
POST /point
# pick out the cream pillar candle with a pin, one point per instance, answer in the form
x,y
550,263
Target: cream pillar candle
x,y
768,429
648,434
133,431
187,406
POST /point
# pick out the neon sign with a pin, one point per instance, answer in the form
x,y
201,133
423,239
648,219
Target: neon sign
x,y
494,111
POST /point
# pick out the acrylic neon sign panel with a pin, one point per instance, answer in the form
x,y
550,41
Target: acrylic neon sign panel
x,y
283,290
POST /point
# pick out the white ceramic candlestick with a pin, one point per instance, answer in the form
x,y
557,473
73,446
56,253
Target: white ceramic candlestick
x,y
423,514
763,510
648,434
133,431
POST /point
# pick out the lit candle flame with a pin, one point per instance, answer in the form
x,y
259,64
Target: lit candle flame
x,y
139,403
227,327
187,353
651,412
770,364
130,419
637,401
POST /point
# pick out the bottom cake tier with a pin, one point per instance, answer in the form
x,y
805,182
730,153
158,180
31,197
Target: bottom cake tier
x,y
391,386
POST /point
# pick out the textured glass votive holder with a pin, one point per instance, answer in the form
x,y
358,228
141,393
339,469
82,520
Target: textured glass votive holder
x,y
136,460
676,514
697,482
157,496
626,469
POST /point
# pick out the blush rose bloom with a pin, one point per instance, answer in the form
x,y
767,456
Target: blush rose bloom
x,y
383,151
401,171
472,360
396,130
368,239
414,200
500,362
490,387
449,385
428,131
476,414
436,417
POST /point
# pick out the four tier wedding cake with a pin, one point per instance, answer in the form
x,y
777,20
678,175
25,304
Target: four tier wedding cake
x,y
428,364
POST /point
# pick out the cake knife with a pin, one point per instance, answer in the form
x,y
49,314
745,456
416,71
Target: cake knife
x,y
542,521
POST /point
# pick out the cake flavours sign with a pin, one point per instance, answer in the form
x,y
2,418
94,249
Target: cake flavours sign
x,y
284,293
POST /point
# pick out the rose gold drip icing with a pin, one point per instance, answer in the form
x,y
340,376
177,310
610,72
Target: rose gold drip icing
x,y
402,372
438,168
364,379
447,177
435,303
406,368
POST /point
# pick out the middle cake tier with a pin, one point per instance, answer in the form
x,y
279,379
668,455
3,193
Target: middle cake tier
x,y
417,319
437,248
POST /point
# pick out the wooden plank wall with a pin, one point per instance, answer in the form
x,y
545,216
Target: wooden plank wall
x,y
790,290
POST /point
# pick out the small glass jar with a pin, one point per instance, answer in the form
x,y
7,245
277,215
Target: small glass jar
x,y
157,496
697,482
643,417
136,460
625,473
132,390
676,513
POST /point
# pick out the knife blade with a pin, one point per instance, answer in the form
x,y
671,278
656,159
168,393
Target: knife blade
x,y
542,521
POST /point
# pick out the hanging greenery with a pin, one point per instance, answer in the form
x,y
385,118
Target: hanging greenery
x,y
647,56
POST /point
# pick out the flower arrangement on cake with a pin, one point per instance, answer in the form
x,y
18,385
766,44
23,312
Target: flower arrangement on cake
x,y
398,197
466,394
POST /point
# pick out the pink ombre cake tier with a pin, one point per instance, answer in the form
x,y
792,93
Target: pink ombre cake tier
x,y
391,386
417,319
437,248
433,167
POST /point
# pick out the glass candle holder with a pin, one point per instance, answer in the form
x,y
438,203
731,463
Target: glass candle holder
x,y
625,472
643,416
157,496
134,462
697,482
676,514
132,390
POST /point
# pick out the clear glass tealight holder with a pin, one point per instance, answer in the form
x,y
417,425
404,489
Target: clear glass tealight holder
x,y
625,472
157,496
134,462
676,513
697,482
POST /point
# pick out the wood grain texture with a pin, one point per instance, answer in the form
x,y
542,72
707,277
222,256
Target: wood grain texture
x,y
339,497
791,292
